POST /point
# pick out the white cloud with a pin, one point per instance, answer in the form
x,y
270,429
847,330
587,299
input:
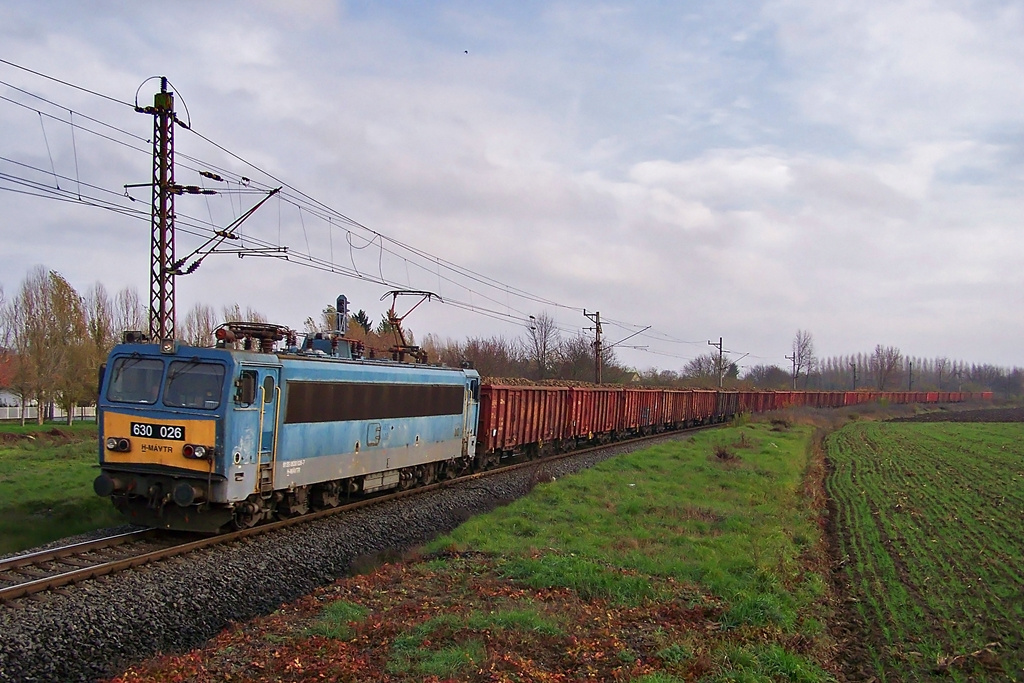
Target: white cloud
x,y
741,171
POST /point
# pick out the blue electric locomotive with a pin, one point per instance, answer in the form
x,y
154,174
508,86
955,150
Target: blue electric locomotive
x,y
208,438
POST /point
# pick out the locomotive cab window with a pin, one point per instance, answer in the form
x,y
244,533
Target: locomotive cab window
x,y
268,389
135,380
245,392
194,384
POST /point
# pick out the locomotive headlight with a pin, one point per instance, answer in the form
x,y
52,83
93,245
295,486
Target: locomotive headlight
x,y
196,452
120,445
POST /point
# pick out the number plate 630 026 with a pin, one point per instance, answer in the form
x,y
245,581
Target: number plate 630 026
x,y
148,430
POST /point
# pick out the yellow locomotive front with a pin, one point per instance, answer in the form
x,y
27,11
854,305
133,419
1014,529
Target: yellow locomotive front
x,y
160,418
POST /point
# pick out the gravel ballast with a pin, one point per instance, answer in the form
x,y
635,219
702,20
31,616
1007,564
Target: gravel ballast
x,y
95,629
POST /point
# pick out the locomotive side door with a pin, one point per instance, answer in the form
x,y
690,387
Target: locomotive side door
x,y
269,396
470,415
257,413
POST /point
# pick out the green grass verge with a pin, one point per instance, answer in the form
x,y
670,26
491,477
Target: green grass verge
x,y
337,619
722,513
46,476
435,648
931,521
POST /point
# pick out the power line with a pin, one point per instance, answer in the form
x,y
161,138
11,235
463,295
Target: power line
x,y
496,296
70,85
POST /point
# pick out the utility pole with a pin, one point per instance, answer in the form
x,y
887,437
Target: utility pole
x,y
721,370
596,319
161,276
793,358
910,375
163,266
854,366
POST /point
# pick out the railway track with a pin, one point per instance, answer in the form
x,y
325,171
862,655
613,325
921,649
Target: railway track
x,y
44,570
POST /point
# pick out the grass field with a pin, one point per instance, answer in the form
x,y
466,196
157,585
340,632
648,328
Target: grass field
x,y
930,521
691,560
46,476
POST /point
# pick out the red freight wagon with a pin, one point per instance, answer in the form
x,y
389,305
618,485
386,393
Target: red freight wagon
x,y
594,411
679,406
750,401
784,399
704,404
643,409
511,416
726,405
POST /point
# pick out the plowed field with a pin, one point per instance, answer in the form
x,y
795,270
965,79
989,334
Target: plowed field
x,y
929,533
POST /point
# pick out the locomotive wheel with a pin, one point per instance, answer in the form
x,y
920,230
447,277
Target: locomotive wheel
x,y
428,474
249,513
295,503
327,496
406,479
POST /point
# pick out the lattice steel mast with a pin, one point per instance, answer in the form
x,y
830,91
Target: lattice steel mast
x,y
163,265
162,271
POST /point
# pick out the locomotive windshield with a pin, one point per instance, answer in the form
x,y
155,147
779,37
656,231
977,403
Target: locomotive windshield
x,y
135,380
192,384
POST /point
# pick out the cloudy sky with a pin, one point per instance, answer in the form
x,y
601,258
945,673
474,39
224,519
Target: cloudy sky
x,y
737,169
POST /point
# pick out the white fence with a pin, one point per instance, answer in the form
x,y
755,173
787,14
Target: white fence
x,y
32,412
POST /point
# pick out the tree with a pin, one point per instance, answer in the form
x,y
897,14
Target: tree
x,y
360,318
27,318
99,321
47,327
492,357
941,364
708,367
234,314
575,359
326,323
803,356
197,328
658,377
885,361
129,313
72,359
99,317
542,342
768,377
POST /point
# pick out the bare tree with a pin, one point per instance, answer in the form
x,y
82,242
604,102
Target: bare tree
x,y
708,367
234,314
542,342
129,313
768,377
196,329
941,365
803,356
99,316
492,357
885,362
575,359
326,323
658,377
